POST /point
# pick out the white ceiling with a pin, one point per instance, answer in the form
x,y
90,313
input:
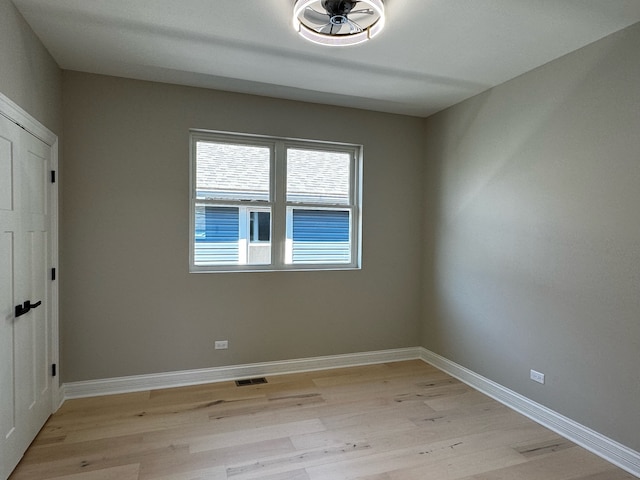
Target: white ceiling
x,y
431,54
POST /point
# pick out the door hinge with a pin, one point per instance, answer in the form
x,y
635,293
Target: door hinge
x,y
53,274
53,176
53,370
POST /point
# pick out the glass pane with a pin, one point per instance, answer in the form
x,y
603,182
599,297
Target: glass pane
x,y
259,246
319,236
260,227
226,171
217,240
318,176
231,236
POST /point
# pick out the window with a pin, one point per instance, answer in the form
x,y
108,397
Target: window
x,y
263,203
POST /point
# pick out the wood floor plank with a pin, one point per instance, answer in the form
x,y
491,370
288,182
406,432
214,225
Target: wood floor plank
x,y
541,448
124,472
609,474
280,464
91,460
290,475
461,465
218,460
569,464
394,421
240,437
419,454
213,473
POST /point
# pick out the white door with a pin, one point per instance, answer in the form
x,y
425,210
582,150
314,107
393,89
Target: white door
x,y
25,291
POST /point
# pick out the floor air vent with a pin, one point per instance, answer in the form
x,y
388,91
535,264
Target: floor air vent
x,y
251,381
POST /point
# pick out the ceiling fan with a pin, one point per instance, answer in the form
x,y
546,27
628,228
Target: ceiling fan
x,y
338,22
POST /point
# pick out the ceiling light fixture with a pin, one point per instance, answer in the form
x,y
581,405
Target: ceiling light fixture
x,y
338,22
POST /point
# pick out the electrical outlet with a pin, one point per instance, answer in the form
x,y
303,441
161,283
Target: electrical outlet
x,y
537,376
221,344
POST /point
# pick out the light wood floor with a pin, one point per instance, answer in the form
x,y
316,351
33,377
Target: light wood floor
x,y
397,421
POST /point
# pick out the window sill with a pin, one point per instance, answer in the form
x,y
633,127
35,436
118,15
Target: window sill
x,y
270,268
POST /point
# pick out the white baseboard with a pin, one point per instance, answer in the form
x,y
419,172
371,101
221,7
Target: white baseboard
x,y
595,442
137,383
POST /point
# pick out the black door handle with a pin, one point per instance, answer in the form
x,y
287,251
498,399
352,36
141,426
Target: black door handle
x,y
26,306
22,309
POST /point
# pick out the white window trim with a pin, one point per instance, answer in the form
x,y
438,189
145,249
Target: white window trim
x,y
278,204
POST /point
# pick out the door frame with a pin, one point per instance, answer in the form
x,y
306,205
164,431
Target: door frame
x,y
23,119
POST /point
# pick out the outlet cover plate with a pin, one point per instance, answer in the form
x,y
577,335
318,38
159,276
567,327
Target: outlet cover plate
x,y
537,376
221,344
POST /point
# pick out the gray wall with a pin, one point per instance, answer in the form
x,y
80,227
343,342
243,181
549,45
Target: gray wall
x,y
28,74
533,259
129,304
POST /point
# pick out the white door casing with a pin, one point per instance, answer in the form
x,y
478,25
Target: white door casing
x,y
28,244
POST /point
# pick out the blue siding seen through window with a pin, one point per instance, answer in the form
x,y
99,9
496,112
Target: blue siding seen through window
x,y
321,236
221,224
217,234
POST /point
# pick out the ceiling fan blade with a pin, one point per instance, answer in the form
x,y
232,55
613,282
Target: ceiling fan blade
x,y
314,16
362,16
327,29
367,11
354,27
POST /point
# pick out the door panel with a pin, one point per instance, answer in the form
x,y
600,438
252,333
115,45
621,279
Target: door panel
x,y
25,388
40,326
7,319
9,243
6,176
34,180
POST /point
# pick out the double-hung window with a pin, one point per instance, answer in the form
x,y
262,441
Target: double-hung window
x,y
264,203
